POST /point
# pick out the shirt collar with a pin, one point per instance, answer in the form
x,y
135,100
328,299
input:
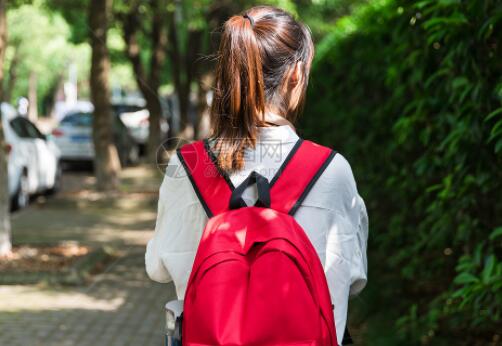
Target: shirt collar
x,y
284,133
277,119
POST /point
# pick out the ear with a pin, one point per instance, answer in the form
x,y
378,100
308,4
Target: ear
x,y
296,74
295,85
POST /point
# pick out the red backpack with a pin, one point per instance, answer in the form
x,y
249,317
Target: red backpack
x,y
257,279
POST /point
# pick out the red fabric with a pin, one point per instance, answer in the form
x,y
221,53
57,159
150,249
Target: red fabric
x,y
292,182
297,174
256,280
211,185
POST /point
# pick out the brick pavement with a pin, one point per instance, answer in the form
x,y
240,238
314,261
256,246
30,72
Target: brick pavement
x,y
122,307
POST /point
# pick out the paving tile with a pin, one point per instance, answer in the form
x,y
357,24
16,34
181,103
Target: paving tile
x,y
123,308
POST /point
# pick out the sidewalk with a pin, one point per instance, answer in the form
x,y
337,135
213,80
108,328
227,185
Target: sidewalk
x,y
121,306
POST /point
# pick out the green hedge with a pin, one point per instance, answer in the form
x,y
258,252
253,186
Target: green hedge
x,y
410,92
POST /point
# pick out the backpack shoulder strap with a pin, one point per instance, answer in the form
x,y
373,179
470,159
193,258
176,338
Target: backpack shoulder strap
x,y
298,174
212,186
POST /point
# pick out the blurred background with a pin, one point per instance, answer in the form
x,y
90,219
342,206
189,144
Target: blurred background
x,y
91,90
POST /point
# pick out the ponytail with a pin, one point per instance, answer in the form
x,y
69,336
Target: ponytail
x,y
256,50
239,96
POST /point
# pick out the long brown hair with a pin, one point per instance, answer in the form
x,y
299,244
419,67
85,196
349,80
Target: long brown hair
x,y
259,50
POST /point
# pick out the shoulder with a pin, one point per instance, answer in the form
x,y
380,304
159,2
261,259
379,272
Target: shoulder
x,y
175,181
336,187
174,168
338,169
338,177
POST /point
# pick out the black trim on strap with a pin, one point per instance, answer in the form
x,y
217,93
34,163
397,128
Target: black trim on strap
x,y
347,339
208,211
214,159
263,187
292,153
312,182
274,179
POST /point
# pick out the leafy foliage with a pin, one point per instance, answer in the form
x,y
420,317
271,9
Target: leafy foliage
x,y
410,92
38,43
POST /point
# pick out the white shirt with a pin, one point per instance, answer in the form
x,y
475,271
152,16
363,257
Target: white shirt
x,y
333,215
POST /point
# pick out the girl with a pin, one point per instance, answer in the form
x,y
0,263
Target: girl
x,y
261,80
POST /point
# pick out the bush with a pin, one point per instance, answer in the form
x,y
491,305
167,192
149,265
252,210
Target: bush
x,y
410,92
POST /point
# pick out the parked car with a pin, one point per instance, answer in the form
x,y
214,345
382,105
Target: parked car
x,y
33,158
137,119
73,136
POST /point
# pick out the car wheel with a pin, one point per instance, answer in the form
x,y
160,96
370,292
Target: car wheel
x,y
22,196
57,180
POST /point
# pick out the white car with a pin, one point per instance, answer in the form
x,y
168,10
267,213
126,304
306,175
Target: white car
x,y
33,158
137,120
73,136
138,124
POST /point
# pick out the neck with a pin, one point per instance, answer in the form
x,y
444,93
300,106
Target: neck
x,y
277,120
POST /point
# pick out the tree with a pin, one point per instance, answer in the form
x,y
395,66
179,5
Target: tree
x,y
190,24
180,75
38,46
5,242
427,86
106,162
147,79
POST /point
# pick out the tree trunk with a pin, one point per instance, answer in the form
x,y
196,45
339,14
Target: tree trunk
x,y
32,97
202,126
5,236
158,39
11,83
177,69
106,161
184,67
3,43
149,85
